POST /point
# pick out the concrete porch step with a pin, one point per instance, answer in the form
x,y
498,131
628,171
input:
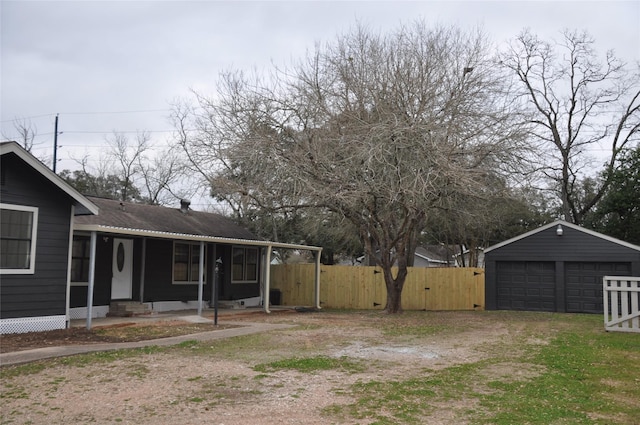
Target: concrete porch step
x,y
234,304
127,309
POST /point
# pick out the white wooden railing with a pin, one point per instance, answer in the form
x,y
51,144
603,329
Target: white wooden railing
x,y
621,303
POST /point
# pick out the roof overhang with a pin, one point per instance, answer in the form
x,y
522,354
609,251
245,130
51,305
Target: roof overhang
x,y
431,260
83,205
565,224
187,237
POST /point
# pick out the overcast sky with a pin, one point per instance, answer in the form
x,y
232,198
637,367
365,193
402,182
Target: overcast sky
x,y
117,65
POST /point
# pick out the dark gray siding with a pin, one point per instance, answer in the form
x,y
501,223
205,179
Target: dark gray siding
x,y
574,250
159,280
573,245
44,292
159,275
234,291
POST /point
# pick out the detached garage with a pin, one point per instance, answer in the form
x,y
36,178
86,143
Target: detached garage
x,y
558,267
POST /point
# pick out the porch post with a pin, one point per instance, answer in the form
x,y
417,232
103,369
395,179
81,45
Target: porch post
x,y
200,278
317,294
142,268
267,279
69,264
92,274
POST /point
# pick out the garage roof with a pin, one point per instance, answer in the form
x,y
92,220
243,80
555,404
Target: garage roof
x,y
563,224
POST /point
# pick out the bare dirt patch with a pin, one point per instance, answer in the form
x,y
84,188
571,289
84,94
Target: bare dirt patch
x,y
216,382
125,332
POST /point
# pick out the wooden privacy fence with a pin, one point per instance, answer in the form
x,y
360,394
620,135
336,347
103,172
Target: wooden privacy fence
x,y
621,303
363,288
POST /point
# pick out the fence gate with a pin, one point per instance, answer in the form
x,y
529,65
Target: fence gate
x,y
621,303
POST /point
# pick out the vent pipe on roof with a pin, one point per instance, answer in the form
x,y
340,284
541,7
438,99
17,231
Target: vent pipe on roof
x,y
184,205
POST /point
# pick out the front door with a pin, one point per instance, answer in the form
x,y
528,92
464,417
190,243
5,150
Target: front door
x,y
122,268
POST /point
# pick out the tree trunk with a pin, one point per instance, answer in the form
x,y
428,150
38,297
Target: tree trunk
x,y
327,257
463,262
394,290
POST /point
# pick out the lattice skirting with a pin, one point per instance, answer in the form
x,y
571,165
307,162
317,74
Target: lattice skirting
x,y
97,311
32,324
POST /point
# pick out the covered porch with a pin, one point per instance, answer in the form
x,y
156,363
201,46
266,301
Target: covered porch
x,y
141,267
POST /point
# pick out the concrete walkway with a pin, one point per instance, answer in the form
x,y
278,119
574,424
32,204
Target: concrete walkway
x,y
243,328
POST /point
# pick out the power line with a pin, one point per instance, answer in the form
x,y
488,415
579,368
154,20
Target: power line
x,y
87,113
27,118
115,112
115,131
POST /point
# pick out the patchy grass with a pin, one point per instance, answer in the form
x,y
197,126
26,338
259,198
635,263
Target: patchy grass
x,y
87,359
590,378
312,364
409,401
581,376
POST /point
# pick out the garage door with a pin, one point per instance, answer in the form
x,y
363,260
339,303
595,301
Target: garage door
x,y
583,283
526,285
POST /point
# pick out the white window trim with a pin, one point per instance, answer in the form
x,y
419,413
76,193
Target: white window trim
x,y
34,233
173,264
257,279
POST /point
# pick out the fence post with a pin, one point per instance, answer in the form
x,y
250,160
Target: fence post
x,y
621,303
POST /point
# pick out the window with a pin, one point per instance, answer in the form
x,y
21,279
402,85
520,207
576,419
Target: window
x,y
186,262
18,229
80,259
245,265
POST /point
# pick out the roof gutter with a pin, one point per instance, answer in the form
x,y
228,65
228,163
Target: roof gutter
x,y
185,236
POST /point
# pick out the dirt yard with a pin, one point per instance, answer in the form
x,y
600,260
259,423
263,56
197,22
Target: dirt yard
x,y
116,333
217,382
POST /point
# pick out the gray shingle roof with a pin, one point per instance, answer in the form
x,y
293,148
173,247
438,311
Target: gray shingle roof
x,y
163,219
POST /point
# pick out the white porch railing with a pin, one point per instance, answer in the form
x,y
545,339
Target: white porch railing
x,y
621,303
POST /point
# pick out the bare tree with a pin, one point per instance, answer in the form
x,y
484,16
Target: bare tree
x,y
163,178
134,171
380,129
24,133
220,140
576,102
127,158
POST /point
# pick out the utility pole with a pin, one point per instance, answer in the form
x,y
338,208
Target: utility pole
x,y
55,144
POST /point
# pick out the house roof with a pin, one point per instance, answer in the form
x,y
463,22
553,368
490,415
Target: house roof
x,y
154,218
564,224
81,203
435,253
143,220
